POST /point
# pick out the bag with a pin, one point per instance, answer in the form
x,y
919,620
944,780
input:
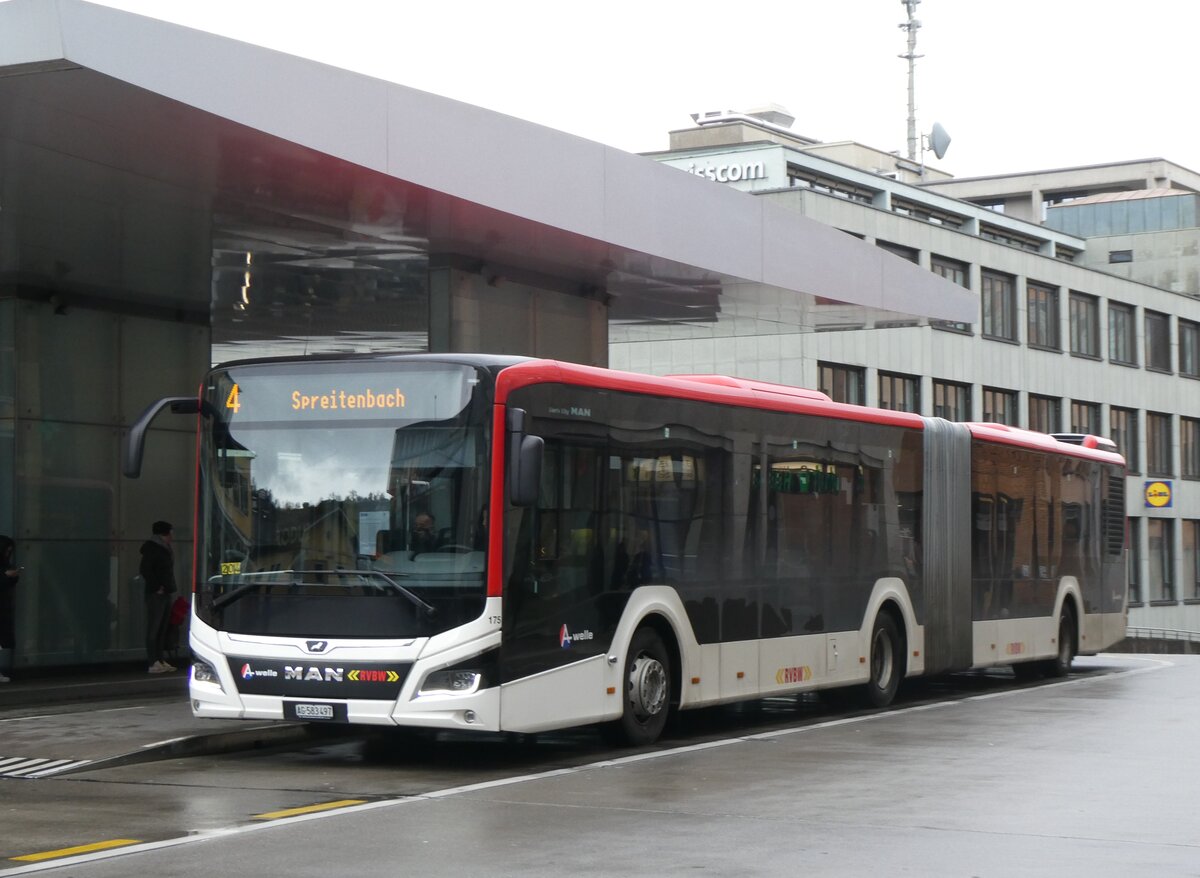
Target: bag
x,y
180,610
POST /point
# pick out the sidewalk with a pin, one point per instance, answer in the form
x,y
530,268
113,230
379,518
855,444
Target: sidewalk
x,y
31,687
65,721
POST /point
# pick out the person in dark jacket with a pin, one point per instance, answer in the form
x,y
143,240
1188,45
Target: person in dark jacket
x,y
158,570
9,574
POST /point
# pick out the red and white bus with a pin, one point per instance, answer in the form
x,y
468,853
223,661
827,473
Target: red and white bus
x,y
508,544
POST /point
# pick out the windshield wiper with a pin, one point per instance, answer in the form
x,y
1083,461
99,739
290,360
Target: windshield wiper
x,y
430,609
244,589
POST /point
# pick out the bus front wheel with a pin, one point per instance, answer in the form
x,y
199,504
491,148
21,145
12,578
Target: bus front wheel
x,y
647,691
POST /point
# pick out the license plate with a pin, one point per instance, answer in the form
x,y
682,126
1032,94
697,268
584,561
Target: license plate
x,y
306,711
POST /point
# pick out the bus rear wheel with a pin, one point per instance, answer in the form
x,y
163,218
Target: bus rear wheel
x,y
647,691
886,661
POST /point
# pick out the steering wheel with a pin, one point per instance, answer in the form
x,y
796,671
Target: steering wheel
x,y
454,547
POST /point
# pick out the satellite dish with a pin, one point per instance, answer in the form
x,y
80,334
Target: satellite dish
x,y
939,140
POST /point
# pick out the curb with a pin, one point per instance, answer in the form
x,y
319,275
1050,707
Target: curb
x,y
209,744
29,694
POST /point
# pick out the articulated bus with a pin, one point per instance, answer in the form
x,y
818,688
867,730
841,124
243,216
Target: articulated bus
x,y
491,543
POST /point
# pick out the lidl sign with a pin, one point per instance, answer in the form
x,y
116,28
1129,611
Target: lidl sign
x,y
1158,494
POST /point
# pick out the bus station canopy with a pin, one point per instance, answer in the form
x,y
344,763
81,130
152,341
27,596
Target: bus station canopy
x,y
145,161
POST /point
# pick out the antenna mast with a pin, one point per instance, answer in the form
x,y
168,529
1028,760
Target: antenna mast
x,y
912,26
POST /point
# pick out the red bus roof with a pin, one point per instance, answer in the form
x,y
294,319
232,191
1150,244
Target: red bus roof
x,y
749,393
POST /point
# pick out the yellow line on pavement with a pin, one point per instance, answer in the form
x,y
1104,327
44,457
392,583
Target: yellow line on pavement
x,y
309,809
79,849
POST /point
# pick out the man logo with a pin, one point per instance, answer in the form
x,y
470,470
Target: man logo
x,y
317,645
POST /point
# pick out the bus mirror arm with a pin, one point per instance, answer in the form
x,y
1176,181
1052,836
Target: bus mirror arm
x,y
135,442
524,461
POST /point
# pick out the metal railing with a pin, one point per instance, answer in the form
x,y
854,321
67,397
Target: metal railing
x,y
1163,634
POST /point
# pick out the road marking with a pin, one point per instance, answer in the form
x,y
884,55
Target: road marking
x,y
78,849
1153,664
309,809
30,767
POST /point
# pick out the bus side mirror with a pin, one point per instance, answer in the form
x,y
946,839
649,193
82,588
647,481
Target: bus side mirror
x,y
524,461
135,442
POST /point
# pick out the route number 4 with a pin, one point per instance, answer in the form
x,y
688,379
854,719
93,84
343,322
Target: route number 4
x,y
232,401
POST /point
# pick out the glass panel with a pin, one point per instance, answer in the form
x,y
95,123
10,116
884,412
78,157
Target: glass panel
x,y
8,391
67,477
160,358
68,365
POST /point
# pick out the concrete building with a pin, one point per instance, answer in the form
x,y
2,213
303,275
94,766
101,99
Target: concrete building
x,y
1054,345
1140,217
170,197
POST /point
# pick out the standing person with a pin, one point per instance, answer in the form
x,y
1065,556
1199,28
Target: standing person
x,y
158,570
9,574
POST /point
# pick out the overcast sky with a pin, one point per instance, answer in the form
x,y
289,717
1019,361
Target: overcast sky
x,y
1021,85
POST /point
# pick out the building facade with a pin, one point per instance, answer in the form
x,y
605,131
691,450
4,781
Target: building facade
x,y
1057,344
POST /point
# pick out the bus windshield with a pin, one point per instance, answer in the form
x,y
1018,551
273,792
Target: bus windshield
x,y
343,500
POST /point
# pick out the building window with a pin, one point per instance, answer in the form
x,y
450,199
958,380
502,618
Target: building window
x,y
909,254
1085,325
1189,448
805,179
900,393
1158,444
924,212
1045,413
843,383
1000,406
951,401
1189,348
1133,560
955,272
1122,346
1042,310
1191,559
1122,429
1009,237
1085,417
999,306
1158,342
1161,578
1117,256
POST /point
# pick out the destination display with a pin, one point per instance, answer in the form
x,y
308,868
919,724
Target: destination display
x,y
268,394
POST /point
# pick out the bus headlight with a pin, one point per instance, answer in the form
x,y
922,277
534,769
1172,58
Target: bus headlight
x,y
203,672
452,681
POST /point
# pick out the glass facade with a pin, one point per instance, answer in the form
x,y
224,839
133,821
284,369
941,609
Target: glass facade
x,y
65,393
